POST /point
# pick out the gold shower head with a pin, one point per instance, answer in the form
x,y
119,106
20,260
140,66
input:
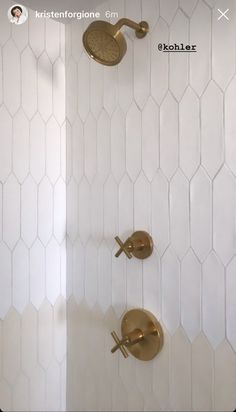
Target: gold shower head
x,y
105,43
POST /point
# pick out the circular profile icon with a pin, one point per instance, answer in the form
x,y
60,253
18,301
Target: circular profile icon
x,y
18,14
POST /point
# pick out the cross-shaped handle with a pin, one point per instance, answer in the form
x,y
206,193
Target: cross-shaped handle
x,y
124,247
119,345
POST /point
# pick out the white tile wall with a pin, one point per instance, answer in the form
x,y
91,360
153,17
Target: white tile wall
x,y
153,148
146,145
33,216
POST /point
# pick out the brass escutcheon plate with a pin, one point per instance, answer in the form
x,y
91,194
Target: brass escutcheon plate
x,y
144,320
142,244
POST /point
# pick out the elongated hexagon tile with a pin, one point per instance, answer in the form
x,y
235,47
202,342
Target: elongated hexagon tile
x,y
152,284
5,30
213,300
11,211
133,141
118,144
202,374
225,378
53,155
53,275
72,210
63,264
37,274
125,78
45,211
133,9
170,291
91,282
150,12
52,39
150,138
29,340
178,63
1,190
160,215
20,394
119,283
90,146
71,96
29,82
20,146
142,204
96,87
161,371
180,387
201,214
103,145
141,71
212,125
44,86
179,214
168,10
83,86
1,78
53,387
191,295
110,210
37,389
45,333
224,198
20,276
84,210
78,271
59,212
11,346
59,92
119,395
29,211
200,63
230,126
110,89
169,136
223,59
37,148
11,78
68,146
5,280
6,396
36,33
63,396
104,277
76,40
126,207
6,143
59,319
189,135
134,284
188,6
77,149
159,62
230,303
97,213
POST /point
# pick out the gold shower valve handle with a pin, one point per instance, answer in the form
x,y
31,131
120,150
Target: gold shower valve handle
x,y
124,247
139,245
142,335
119,345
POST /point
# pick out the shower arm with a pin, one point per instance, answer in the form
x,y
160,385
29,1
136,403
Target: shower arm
x,y
141,29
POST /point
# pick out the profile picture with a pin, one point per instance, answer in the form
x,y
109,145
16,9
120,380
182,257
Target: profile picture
x,y
18,14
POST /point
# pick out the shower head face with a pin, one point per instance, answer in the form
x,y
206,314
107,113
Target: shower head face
x,y
104,43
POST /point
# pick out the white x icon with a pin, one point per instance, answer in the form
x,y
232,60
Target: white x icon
x,y
223,14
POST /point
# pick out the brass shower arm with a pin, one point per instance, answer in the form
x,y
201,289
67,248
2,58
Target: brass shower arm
x,y
141,29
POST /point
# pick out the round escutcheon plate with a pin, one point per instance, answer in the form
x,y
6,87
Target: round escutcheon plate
x,y
144,320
